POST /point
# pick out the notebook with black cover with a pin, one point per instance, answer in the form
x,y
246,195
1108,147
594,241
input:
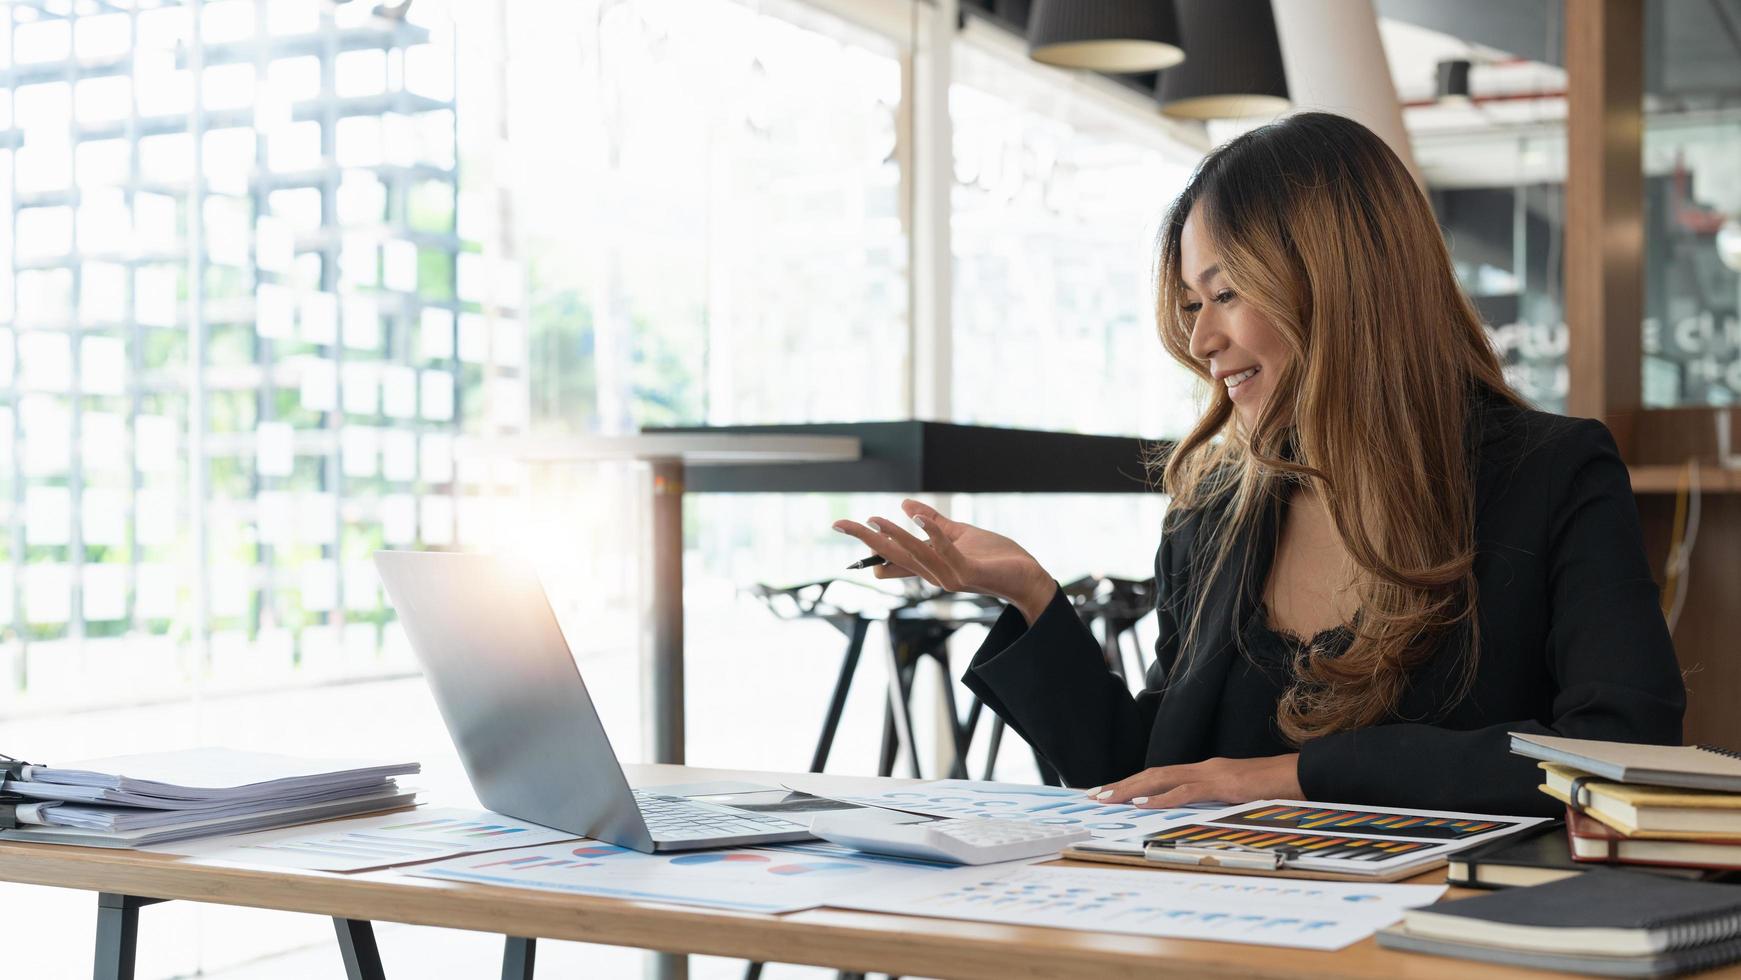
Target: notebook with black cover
x,y
1653,965
1534,857
1601,912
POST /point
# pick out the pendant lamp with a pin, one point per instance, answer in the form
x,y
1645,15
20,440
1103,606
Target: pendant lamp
x,y
1105,35
1235,65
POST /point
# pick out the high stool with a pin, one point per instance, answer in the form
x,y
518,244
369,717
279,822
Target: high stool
x,y
809,601
919,630
1117,604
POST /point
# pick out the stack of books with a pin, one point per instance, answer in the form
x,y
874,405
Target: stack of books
x,y
133,801
1647,805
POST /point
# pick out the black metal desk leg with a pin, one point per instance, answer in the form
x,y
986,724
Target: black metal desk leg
x,y
517,957
117,934
357,945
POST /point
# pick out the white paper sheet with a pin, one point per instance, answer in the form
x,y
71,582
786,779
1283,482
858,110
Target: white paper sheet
x,y
744,879
1181,905
378,841
1050,805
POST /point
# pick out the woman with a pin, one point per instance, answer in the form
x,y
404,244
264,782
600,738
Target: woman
x,y
1377,562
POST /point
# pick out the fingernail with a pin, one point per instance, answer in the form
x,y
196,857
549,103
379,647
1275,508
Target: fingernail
x,y
923,526
1103,794
875,525
1139,800
840,530
1091,792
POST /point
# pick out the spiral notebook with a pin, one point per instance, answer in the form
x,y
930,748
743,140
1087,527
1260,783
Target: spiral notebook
x,y
1599,913
1688,766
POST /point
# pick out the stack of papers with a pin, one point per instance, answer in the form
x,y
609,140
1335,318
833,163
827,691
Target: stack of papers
x,y
131,801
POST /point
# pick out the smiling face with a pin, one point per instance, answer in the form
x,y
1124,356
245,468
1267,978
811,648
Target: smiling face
x,y
1237,343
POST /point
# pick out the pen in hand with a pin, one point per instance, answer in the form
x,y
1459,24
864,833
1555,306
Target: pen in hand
x,y
868,562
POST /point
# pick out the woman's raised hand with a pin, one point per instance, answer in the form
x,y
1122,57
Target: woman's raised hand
x,y
956,556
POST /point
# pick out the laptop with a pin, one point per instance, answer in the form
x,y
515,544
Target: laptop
x,y
520,715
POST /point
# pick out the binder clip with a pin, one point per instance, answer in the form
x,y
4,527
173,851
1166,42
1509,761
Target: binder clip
x,y
1219,854
10,768
1578,802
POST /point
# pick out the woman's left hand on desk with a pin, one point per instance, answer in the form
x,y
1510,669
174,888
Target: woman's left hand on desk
x,y
1275,777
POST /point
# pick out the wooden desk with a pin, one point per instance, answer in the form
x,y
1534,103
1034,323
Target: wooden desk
x,y
864,941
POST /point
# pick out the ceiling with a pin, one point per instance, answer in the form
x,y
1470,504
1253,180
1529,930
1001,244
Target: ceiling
x,y
1513,130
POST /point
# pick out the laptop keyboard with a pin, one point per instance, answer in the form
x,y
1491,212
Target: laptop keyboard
x,y
675,818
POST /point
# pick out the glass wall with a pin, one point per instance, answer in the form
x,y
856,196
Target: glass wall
x,y
1692,205
1505,229
1057,203
1498,190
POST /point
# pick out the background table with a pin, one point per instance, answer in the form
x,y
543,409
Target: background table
x,y
913,457
865,941
670,454
828,457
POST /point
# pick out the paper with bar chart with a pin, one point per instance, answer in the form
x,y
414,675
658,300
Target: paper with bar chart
x,y
745,879
1228,908
1372,821
374,842
1050,805
1366,840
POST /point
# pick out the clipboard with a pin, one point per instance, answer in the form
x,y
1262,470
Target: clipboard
x,y
1231,859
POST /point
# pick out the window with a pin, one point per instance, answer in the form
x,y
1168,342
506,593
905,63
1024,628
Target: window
x,y
234,260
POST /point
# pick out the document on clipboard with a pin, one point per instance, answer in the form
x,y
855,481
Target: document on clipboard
x,y
1295,839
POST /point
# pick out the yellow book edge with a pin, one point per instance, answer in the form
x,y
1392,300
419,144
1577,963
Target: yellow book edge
x,y
1632,832
1636,794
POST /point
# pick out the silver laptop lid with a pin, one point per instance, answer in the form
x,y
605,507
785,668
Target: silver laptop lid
x,y
510,693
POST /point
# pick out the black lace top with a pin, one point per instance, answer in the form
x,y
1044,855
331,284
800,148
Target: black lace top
x,y
1245,725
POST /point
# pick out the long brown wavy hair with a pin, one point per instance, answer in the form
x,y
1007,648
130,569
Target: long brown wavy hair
x,y
1322,229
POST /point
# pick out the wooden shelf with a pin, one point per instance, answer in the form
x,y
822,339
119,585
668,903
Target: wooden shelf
x,y
1666,478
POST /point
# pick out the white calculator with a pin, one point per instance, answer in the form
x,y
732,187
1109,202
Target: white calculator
x,y
954,840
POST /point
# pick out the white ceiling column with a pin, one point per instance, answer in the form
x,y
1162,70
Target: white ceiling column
x,y
928,169
1335,63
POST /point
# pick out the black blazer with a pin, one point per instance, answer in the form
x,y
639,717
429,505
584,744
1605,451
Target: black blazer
x,y
1573,643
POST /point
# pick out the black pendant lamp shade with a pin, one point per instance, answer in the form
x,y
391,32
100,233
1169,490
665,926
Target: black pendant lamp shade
x,y
1234,64
1105,35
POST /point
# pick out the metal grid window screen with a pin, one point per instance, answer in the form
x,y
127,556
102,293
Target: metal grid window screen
x,y
240,244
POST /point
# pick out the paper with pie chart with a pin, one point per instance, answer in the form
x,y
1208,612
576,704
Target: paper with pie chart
x,y
745,879
1053,806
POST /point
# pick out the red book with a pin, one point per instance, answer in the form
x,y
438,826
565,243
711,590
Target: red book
x,y
1592,841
